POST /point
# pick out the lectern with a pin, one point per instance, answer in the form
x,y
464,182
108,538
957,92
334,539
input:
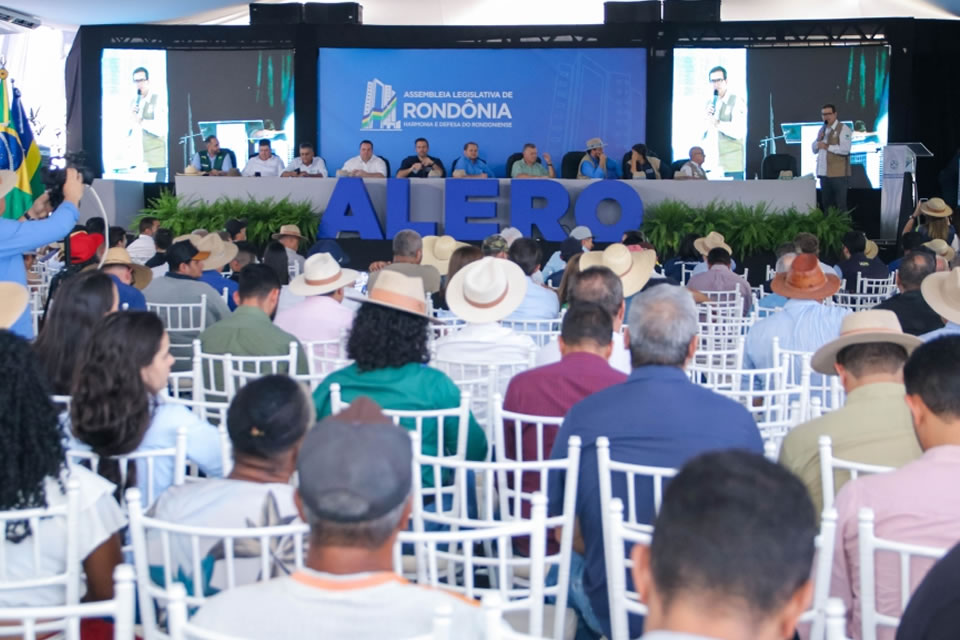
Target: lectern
x,y
899,176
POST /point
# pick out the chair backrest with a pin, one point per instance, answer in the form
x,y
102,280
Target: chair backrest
x,y
836,620
724,303
145,462
323,358
677,165
31,623
885,287
220,375
44,529
513,157
277,550
570,164
770,273
623,601
189,318
509,428
869,545
686,270
857,301
774,163
814,388
446,326
293,268
825,544
540,331
829,466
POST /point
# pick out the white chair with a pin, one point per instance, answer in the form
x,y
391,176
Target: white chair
x,y
273,549
218,377
815,389
623,601
829,466
188,319
857,301
836,620
771,272
825,544
32,623
724,303
145,461
540,331
686,270
446,326
38,298
323,358
636,478
884,287
910,576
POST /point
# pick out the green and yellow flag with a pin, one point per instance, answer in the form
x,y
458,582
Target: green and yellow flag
x,y
18,151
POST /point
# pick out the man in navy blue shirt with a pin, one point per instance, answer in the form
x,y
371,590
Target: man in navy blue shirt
x,y
657,418
131,278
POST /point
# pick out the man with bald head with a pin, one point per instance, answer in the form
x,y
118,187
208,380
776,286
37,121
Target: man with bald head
x,y
693,169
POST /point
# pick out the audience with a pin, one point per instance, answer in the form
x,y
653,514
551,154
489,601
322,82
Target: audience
x,y
460,258
144,247
290,237
944,252
808,243
936,225
909,504
805,323
539,302
856,264
873,426
117,237
584,238
909,242
221,254
275,257
569,248
118,405
129,277
162,240
942,292
721,278
571,270
705,245
599,286
81,303
267,421
246,254
437,252
354,491
679,421
237,228
635,268
35,475
250,331
687,256
407,259
775,300
495,246
726,519
914,313
933,612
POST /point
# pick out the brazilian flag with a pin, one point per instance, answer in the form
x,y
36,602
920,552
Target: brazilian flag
x,y
18,151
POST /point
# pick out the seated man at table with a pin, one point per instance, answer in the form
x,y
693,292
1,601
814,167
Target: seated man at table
x,y
306,165
528,167
263,164
596,164
693,169
470,165
365,165
421,165
214,161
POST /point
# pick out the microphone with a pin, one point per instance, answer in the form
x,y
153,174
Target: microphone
x,y
136,109
713,108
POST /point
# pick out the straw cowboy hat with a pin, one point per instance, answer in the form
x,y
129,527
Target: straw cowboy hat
x,y
322,274
221,253
118,255
291,230
712,240
595,143
942,292
935,208
15,297
437,251
874,325
394,290
941,248
8,180
633,267
487,290
805,280
872,249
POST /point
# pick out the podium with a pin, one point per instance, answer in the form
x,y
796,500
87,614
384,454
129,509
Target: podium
x,y
899,160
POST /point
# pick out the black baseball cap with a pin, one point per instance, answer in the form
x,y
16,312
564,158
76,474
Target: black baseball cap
x,y
235,226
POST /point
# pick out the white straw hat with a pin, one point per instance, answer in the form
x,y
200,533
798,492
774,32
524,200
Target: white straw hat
x,y
487,290
322,274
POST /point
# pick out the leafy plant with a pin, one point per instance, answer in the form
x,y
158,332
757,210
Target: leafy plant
x,y
264,217
748,229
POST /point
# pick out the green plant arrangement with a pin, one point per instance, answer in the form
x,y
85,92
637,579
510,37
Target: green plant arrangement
x,y
264,217
748,229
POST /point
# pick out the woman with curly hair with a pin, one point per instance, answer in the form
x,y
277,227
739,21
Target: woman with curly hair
x,y
388,344
117,401
80,304
34,474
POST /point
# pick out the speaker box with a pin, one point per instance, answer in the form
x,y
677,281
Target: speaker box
x,y
691,11
286,13
333,13
646,11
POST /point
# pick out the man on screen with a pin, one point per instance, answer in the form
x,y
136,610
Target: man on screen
x,y
726,125
832,147
214,161
307,164
365,165
421,165
528,167
471,165
264,163
149,112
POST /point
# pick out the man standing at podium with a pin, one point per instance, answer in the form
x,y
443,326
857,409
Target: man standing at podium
x,y
832,147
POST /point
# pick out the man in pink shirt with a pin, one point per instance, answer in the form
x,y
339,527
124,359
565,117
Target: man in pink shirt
x,y
720,277
321,315
914,504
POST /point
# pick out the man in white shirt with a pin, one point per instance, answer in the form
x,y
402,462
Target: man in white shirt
x,y
693,169
263,164
143,248
832,147
365,165
307,165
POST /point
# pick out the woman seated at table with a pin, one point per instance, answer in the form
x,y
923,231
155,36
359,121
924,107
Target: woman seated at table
x,y
640,165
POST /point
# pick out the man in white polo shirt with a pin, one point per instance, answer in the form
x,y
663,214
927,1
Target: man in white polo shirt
x,y
365,165
264,164
307,165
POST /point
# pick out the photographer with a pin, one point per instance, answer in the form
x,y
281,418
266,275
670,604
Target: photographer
x,y
16,238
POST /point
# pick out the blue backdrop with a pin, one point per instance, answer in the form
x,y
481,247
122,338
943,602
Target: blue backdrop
x,y
499,98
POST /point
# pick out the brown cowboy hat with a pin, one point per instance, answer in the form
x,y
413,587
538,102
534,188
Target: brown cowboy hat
x,y
805,280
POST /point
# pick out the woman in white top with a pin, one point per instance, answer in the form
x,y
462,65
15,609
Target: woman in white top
x,y
117,402
34,474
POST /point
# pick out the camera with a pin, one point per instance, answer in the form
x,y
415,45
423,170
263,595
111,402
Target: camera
x,y
55,175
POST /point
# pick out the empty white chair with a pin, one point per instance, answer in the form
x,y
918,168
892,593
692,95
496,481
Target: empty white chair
x,y
830,465
31,623
623,601
218,377
186,319
911,573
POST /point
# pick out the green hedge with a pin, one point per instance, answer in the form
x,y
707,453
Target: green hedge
x,y
748,229
263,217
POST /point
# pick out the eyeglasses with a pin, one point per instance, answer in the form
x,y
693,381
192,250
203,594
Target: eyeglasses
x,y
717,79
139,80
826,113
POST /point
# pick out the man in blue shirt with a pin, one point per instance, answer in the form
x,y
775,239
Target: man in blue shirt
x,y
16,238
596,164
131,278
538,301
470,165
221,254
657,418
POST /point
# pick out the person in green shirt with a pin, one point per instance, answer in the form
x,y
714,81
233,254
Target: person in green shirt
x,y
528,167
388,344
